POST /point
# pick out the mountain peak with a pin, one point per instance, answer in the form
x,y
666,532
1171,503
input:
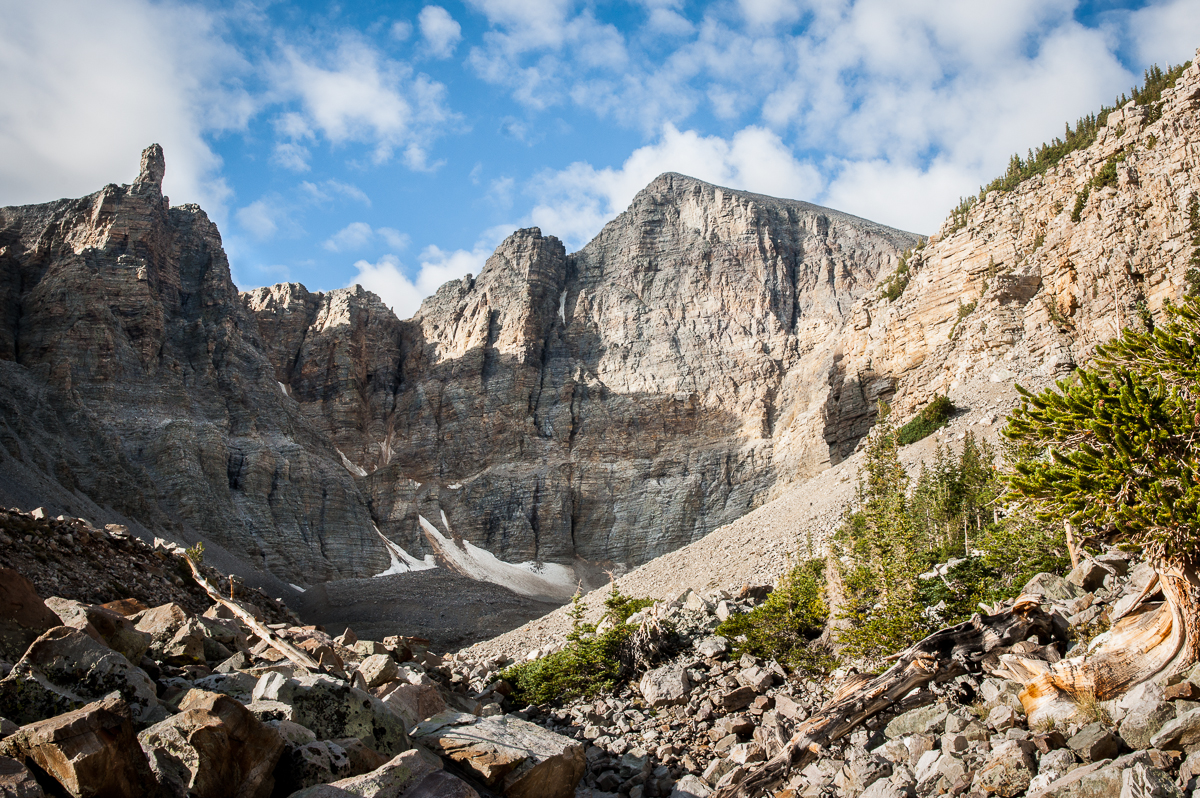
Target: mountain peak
x,y
152,170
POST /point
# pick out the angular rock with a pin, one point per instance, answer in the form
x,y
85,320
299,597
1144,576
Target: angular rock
x,y
1002,718
378,669
214,747
1008,770
756,678
1053,586
64,670
691,786
333,709
109,627
713,647
665,686
1180,734
24,617
516,757
176,637
91,751
737,699
924,720
414,702
316,762
1093,743
1143,722
16,781
1097,780
1052,766
1088,575
1143,781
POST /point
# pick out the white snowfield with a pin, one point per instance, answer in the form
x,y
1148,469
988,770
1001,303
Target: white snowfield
x,y
525,578
357,471
402,561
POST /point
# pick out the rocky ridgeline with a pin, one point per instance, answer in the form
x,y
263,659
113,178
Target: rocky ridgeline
x,y
701,719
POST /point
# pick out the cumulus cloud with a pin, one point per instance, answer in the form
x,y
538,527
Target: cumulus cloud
x,y
356,94
263,218
359,235
387,278
441,33
63,77
328,190
577,201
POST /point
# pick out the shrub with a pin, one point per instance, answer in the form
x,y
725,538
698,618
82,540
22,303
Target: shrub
x,y
590,663
784,627
1081,199
932,417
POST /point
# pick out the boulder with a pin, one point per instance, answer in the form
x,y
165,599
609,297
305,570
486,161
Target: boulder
x,y
214,747
739,698
414,702
1008,770
756,678
690,787
1180,734
91,751
127,607
925,720
378,669
176,637
24,617
713,647
315,762
1052,766
1143,781
1054,587
108,627
235,685
333,709
412,774
515,757
1093,743
16,781
1144,721
64,670
1097,780
1088,575
665,686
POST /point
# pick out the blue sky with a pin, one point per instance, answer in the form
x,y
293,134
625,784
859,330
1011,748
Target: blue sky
x,y
396,143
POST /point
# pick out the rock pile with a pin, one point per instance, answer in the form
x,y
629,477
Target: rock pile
x,y
121,699
703,718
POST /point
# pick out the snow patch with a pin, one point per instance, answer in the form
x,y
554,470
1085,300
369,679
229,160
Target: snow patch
x,y
402,561
562,306
295,587
282,387
455,486
527,578
351,467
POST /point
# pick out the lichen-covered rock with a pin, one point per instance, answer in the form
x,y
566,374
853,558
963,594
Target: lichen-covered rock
x,y
378,669
1145,720
1180,734
65,669
1008,770
1144,781
91,751
515,757
109,627
414,702
213,748
16,780
176,637
924,720
333,709
665,686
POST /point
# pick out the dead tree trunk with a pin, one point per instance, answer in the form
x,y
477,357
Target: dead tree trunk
x,y
940,657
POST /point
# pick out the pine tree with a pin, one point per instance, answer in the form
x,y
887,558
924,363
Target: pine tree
x,y
1120,450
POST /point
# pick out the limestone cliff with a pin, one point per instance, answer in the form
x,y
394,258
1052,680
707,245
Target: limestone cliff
x,y
135,383
613,404
1023,286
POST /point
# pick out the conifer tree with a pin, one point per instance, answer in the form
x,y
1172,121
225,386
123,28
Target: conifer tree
x,y
1120,451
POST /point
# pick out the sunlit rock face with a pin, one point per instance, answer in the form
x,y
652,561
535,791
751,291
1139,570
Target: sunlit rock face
x,y
613,404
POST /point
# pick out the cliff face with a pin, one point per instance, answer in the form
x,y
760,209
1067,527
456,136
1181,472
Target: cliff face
x,y
1022,287
135,379
613,404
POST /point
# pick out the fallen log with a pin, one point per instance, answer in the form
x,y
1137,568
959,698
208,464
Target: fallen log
x,y
942,656
295,655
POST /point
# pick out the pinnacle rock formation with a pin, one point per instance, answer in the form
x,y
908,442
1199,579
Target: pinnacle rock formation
x,y
134,385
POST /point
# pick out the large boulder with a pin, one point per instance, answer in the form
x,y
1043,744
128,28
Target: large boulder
x,y
414,702
1097,780
412,774
108,627
512,756
333,709
91,751
1144,721
1143,781
1054,587
176,637
64,670
1008,770
665,686
1180,734
24,617
378,669
213,748
924,720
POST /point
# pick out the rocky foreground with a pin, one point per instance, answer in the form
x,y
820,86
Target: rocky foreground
x,y
216,696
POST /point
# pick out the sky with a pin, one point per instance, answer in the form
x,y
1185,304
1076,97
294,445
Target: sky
x,y
395,144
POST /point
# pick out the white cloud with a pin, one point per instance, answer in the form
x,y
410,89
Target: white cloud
x,y
290,155
63,78
327,190
577,201
359,235
403,295
401,30
263,218
1165,32
356,94
442,34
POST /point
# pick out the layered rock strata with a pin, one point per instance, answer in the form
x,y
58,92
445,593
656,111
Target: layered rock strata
x,y
613,404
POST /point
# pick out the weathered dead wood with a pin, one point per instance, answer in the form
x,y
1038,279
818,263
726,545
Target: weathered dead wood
x,y
1150,641
942,656
285,648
